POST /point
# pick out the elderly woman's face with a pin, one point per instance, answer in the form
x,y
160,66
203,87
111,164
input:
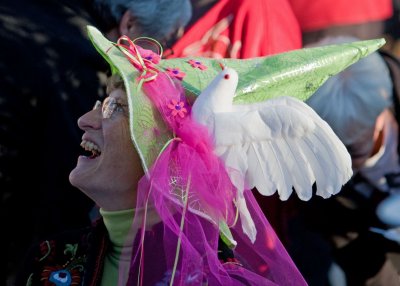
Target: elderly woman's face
x,y
110,174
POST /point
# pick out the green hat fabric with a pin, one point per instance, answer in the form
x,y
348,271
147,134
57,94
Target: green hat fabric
x,y
297,73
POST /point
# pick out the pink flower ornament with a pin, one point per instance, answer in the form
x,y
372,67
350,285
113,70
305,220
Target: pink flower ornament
x,y
176,73
177,108
149,55
197,64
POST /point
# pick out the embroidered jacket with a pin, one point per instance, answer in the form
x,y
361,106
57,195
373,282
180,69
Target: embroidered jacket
x,y
73,258
77,258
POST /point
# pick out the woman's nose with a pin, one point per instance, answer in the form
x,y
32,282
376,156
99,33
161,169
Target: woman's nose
x,y
90,120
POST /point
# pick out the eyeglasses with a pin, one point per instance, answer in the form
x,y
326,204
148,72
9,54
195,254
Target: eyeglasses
x,y
108,107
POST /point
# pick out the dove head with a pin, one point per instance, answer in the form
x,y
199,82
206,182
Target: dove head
x,y
216,97
224,85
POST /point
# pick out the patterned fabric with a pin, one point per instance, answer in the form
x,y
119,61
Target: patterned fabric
x,y
73,258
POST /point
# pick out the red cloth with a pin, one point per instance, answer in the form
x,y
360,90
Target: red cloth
x,y
319,14
241,29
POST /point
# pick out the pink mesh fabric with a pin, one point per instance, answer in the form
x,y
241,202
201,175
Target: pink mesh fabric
x,y
182,199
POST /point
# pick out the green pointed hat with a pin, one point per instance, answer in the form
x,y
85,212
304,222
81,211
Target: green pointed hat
x,y
297,73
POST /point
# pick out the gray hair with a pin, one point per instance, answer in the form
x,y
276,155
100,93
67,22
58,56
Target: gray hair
x,y
158,19
352,100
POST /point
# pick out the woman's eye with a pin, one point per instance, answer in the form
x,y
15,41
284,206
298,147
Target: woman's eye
x,y
119,107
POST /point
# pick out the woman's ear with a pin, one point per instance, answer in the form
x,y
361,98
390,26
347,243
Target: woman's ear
x,y
127,25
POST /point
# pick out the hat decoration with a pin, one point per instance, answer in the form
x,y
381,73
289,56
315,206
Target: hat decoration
x,y
298,73
207,136
212,192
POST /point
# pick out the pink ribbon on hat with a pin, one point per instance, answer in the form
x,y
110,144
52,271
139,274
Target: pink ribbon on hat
x,y
147,68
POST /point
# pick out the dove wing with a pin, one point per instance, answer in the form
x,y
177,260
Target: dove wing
x,y
278,145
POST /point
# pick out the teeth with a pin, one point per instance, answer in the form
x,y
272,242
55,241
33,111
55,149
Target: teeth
x,y
90,146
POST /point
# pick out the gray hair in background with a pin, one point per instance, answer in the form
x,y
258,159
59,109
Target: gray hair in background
x,y
351,101
158,19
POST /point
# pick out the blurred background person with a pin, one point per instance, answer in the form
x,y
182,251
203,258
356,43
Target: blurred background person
x,y
238,29
358,105
161,20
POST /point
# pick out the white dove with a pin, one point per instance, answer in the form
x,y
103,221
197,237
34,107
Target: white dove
x,y
275,145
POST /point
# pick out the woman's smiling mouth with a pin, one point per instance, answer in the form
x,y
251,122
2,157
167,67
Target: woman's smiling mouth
x,y
91,147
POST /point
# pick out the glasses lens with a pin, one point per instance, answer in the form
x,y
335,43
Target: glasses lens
x,y
108,107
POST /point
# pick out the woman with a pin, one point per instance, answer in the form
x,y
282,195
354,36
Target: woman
x,y
172,211
109,175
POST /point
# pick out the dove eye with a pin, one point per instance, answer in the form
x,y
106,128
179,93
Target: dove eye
x,y
226,76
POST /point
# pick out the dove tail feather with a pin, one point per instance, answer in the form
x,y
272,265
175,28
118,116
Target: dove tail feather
x,y
247,222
